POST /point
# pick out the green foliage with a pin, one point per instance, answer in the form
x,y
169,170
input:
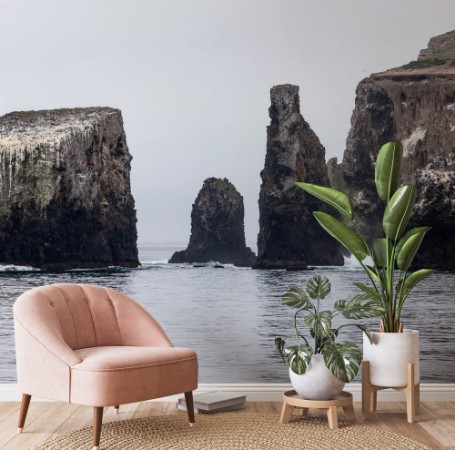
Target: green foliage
x,y
342,360
335,198
395,250
388,169
318,287
343,234
297,298
438,58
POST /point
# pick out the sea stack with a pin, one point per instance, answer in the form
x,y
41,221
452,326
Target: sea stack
x,y
217,227
413,104
289,236
65,190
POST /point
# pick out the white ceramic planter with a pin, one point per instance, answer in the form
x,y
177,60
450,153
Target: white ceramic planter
x,y
389,357
317,383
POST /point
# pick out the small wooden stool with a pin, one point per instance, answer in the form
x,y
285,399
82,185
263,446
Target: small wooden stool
x,y
370,392
292,400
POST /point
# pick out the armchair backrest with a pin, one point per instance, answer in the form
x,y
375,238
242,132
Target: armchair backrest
x,y
86,316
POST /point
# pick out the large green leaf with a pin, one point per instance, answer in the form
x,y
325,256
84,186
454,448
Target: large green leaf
x,y
408,234
398,211
413,278
343,234
339,305
408,246
298,357
362,307
380,251
343,360
368,290
335,198
388,169
320,323
318,286
374,274
297,298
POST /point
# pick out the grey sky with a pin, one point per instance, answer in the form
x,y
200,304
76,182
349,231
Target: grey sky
x,y
192,78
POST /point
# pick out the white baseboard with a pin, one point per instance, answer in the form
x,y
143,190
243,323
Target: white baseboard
x,y
258,392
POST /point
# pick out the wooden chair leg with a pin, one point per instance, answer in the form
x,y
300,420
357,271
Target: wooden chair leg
x,y
97,422
190,407
23,414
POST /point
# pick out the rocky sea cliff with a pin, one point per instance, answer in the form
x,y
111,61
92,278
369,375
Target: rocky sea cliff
x,y
65,195
413,104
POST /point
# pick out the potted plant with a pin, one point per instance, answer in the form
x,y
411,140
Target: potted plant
x,y
319,372
386,261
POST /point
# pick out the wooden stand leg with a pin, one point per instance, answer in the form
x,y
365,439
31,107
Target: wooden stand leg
x,y
97,422
374,401
286,412
368,396
190,407
23,414
332,417
410,394
304,411
349,412
417,398
370,392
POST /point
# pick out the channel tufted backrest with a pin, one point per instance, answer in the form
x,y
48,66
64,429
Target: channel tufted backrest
x,y
86,316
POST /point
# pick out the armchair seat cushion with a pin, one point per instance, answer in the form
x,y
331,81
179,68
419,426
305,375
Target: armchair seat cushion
x,y
113,375
111,358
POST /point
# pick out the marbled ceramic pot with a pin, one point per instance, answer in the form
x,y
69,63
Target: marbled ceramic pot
x,y
317,383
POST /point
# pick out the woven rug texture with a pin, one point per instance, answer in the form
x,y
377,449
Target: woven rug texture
x,y
232,431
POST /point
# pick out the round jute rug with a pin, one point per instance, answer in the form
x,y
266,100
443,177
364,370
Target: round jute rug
x,y
232,431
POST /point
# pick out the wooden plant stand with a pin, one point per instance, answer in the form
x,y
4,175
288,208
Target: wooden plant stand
x,y
370,392
292,400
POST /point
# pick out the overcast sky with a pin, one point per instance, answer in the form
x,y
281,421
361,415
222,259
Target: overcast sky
x,y
193,79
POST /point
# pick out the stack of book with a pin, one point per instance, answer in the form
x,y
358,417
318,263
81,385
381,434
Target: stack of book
x,y
213,402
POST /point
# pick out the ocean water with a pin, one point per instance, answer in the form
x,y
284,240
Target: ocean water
x,y
231,316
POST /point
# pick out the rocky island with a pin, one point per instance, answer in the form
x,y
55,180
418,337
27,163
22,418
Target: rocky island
x,y
65,195
217,227
413,104
289,236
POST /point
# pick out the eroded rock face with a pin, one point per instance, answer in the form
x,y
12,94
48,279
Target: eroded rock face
x,y
217,227
289,236
65,196
415,105
437,44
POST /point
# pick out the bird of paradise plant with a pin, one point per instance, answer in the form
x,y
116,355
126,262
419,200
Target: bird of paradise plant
x,y
392,254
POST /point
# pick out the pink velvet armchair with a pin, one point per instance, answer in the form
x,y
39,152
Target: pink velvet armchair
x,y
95,346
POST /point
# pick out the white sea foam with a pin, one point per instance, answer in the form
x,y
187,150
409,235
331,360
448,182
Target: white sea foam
x,y
13,268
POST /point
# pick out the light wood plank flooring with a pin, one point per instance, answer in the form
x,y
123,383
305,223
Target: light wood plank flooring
x,y
435,423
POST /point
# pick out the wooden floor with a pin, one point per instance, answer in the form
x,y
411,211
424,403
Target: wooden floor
x,y
435,423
